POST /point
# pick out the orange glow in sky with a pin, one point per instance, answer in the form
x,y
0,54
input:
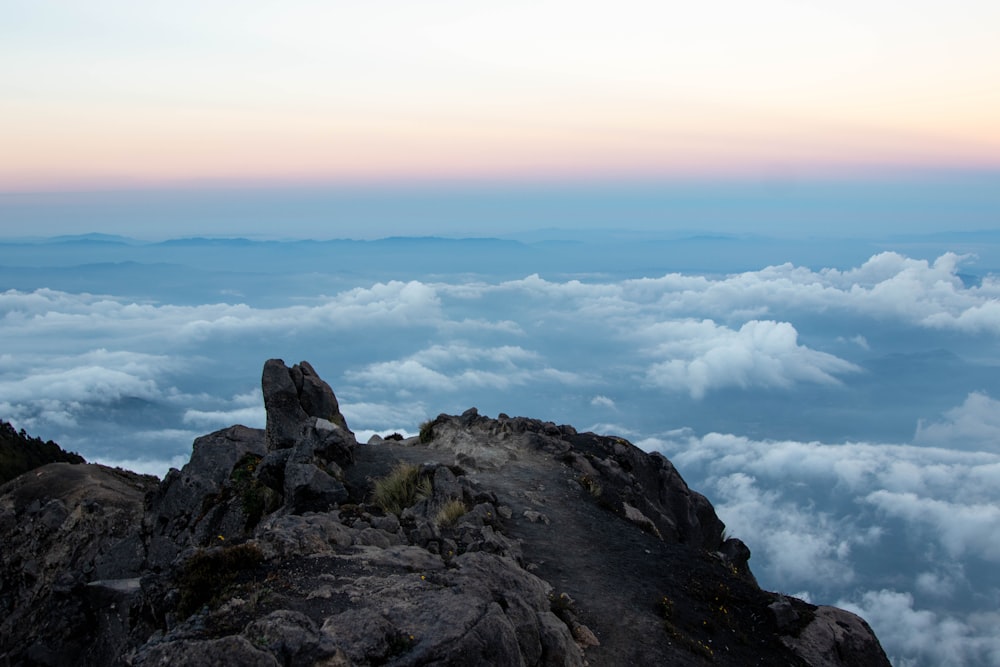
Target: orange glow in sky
x,y
110,93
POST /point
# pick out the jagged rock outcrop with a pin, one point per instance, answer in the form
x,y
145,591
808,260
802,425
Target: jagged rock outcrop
x,y
307,438
291,397
507,541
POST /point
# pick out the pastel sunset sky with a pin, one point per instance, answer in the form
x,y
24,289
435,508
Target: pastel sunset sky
x,y
120,94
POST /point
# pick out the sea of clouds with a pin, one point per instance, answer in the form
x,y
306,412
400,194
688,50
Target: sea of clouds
x,y
844,421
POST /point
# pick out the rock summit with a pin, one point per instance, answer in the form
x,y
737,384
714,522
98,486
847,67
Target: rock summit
x,y
482,541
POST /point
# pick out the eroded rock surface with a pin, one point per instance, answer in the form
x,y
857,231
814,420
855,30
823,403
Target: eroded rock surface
x,y
517,542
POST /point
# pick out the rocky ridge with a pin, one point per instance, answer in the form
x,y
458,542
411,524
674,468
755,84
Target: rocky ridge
x,y
506,541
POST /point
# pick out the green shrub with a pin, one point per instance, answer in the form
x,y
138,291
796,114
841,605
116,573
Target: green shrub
x,y
452,511
402,487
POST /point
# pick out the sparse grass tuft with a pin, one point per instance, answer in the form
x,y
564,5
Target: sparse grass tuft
x,y
426,432
402,487
450,513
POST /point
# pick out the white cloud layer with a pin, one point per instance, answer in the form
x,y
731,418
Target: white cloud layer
x,y
913,636
949,496
461,366
816,513
133,380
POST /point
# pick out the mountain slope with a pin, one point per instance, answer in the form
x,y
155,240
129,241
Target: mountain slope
x,y
506,541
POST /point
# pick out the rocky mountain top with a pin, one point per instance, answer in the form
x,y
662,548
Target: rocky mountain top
x,y
506,541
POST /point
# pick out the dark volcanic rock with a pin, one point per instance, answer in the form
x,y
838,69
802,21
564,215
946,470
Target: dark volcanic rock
x,y
510,542
69,563
303,416
291,397
194,506
837,638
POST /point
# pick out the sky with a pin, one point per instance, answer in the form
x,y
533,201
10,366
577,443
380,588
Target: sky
x,y
112,95
762,238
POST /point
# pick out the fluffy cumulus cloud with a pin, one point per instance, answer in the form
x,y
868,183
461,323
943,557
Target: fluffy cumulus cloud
x,y
601,401
701,356
887,286
913,636
66,353
797,543
974,424
961,528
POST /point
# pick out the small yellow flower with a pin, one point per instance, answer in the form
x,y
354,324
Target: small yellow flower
x,y
221,537
423,578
